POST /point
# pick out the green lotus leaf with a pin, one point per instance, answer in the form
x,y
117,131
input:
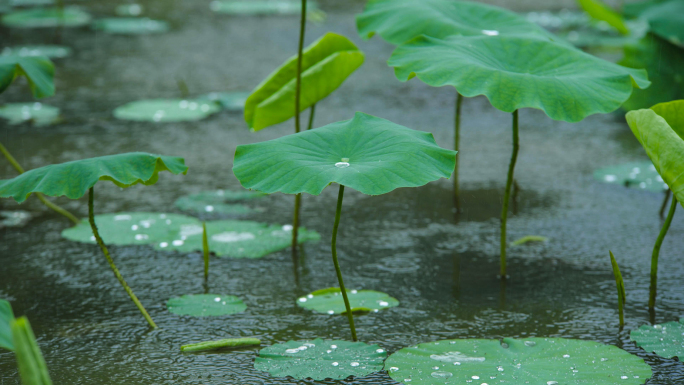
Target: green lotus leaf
x,y
30,3
261,7
600,11
218,201
665,340
49,51
166,110
320,359
230,101
398,21
32,367
326,64
673,113
37,113
129,9
638,175
74,179
131,25
47,18
39,71
664,17
371,155
14,218
329,301
514,72
663,144
551,361
6,317
206,305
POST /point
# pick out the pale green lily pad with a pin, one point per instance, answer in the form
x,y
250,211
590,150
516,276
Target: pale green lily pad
x,y
261,7
230,101
47,17
218,201
320,359
665,340
129,9
206,305
49,51
665,18
330,301
166,110
37,113
131,25
30,3
6,317
14,218
638,175
550,361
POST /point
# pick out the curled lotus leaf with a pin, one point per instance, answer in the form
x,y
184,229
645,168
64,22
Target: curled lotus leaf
x,y
38,70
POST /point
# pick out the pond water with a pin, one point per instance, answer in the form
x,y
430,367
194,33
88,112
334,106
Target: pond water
x,y
407,243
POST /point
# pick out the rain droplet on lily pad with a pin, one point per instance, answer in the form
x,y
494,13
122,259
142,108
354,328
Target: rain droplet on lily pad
x,y
38,114
218,202
166,110
665,340
47,18
205,305
637,175
131,25
261,7
330,301
51,51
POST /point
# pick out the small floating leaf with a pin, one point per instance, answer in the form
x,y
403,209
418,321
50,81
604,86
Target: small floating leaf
x,y
638,175
220,344
218,201
14,218
230,101
320,359
39,71
6,317
38,114
329,301
166,110
665,340
551,361
261,7
32,367
49,51
47,17
131,25
528,239
205,305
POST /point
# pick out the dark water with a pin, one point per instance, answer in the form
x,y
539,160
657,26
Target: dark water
x,y
407,243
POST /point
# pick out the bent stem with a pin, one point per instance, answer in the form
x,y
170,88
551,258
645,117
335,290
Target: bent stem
x,y
205,251
40,196
298,94
668,192
656,252
622,298
507,194
100,242
457,139
350,316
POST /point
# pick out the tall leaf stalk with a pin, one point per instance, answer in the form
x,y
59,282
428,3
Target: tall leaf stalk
x,y
507,193
457,139
205,251
620,284
298,94
656,253
338,213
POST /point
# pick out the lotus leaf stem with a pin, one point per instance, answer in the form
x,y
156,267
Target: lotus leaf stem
x,y
656,252
620,284
298,94
40,196
457,139
205,251
100,242
338,212
668,192
311,116
507,193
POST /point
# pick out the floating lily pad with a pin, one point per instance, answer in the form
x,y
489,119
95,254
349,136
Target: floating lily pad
x,y
205,305
131,25
230,101
37,113
30,3
550,361
14,218
6,316
47,17
665,18
218,202
129,10
666,340
261,7
320,359
50,51
166,110
329,301
639,175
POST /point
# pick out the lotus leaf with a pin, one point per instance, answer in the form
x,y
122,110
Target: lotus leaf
x,y
218,202
398,21
261,7
320,359
551,361
663,143
6,317
37,113
39,71
166,110
666,340
515,72
326,63
30,3
49,51
230,101
32,367
206,305
664,17
639,175
600,11
329,301
14,218
47,18
131,25
368,154
129,9
220,344
74,179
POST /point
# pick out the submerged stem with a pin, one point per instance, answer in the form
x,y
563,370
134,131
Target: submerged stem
x,y
100,242
40,196
338,212
656,252
457,139
298,94
507,193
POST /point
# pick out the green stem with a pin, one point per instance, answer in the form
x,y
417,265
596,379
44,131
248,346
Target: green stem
x,y
656,253
507,193
298,94
457,139
205,251
338,212
311,116
668,192
100,242
40,196
620,289
295,223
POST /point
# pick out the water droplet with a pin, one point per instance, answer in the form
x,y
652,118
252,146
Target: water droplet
x,y
551,382
435,367
163,244
354,291
490,32
141,237
380,351
183,104
177,242
604,359
329,351
610,178
309,296
566,356
292,351
217,299
354,364
209,208
302,299
134,227
407,380
303,347
393,369
287,227
342,164
333,346
331,311
335,364
475,377
623,377
530,343
457,363
92,238
383,303
456,356
123,217
232,236
441,374
500,368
